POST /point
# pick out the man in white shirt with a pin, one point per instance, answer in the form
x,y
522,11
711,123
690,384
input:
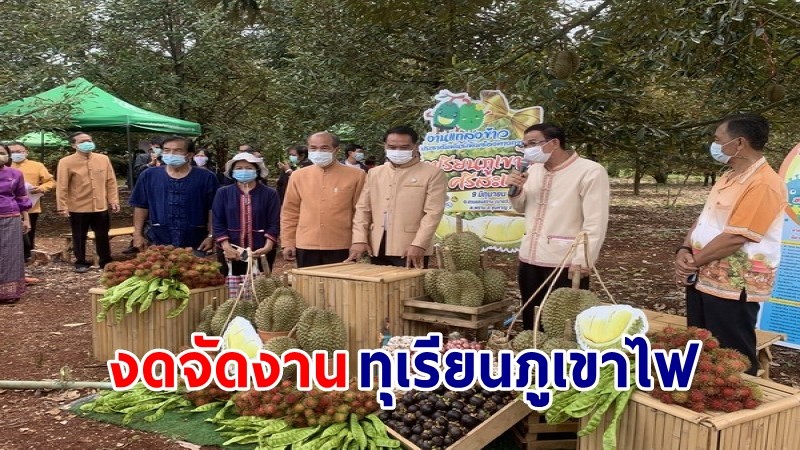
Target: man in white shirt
x,y
562,195
354,156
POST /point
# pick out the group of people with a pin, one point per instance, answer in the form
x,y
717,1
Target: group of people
x,y
328,211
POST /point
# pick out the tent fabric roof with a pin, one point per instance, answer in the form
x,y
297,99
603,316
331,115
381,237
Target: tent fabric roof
x,y
42,139
95,109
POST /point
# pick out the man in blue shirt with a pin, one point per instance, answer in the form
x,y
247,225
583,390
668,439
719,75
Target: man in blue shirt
x,y
174,200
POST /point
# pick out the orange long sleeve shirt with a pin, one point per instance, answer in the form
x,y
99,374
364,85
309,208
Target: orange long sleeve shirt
x,y
318,208
85,183
36,174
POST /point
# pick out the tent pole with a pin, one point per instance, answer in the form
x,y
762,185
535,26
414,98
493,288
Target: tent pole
x,y
42,147
130,158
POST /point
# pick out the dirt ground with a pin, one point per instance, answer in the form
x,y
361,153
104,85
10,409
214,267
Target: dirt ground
x,y
48,334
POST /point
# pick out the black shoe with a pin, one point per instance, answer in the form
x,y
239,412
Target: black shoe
x,y
81,269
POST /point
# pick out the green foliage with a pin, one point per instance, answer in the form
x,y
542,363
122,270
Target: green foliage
x,y
644,97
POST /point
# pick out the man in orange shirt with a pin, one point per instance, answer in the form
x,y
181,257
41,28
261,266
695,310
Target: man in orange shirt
x,y
728,259
318,209
86,189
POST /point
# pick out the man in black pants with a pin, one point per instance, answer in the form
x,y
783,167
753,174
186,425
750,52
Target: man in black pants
x,y
562,195
86,188
728,259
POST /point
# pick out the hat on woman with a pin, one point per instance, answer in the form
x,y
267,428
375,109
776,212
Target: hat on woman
x,y
263,172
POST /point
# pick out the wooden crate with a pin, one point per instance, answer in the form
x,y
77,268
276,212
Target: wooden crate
x,y
365,296
140,333
486,432
649,424
422,309
534,433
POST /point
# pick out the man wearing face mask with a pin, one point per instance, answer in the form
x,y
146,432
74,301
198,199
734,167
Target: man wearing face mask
x,y
400,207
354,156
728,259
317,212
86,188
298,157
147,160
174,200
39,180
562,195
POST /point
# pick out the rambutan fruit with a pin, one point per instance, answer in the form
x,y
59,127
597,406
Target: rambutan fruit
x,y
732,406
680,397
728,392
716,404
697,406
340,417
696,396
734,380
751,403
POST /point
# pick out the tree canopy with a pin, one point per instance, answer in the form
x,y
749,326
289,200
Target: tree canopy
x,y
652,77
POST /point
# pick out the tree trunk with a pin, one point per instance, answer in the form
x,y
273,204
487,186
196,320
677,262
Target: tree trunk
x,y
637,178
661,177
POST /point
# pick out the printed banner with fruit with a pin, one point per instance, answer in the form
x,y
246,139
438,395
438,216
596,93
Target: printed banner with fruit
x,y
782,312
473,141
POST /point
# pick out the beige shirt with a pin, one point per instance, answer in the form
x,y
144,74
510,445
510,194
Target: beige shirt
x,y
407,203
317,212
37,175
85,183
558,205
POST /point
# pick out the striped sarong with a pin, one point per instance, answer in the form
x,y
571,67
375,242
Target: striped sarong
x,y
12,255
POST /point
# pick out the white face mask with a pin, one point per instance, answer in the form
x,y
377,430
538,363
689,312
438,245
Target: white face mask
x,y
399,157
320,158
717,153
535,155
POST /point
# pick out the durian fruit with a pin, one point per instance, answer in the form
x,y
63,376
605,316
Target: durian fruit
x,y
320,329
557,344
281,311
603,327
465,248
243,309
564,64
494,285
461,287
206,315
565,304
524,340
431,285
265,286
775,92
278,345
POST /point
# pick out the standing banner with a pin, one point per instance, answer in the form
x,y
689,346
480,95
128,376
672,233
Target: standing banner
x,y
781,313
474,142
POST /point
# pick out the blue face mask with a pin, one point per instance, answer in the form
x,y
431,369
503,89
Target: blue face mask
x,y
244,175
157,151
86,147
18,157
717,153
174,160
293,159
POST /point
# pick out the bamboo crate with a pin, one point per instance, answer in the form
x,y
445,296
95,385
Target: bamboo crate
x,y
530,433
649,424
422,309
140,333
486,432
365,296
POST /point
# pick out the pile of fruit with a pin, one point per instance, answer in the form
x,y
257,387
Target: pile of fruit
x,y
717,384
463,281
165,262
439,418
306,408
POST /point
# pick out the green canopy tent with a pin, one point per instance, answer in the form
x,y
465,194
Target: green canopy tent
x,y
42,140
93,109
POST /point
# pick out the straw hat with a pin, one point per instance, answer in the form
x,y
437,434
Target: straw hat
x,y
263,172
